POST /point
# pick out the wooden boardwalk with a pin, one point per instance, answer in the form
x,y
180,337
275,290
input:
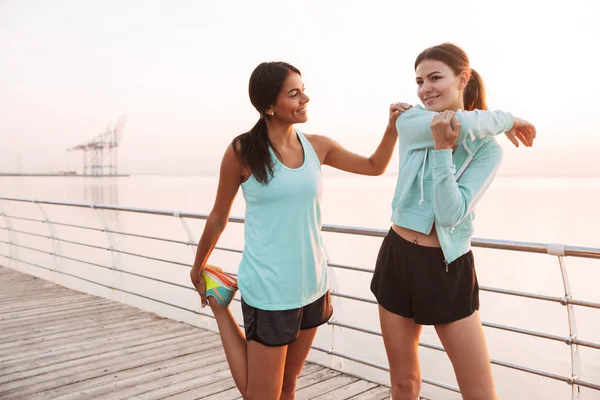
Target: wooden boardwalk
x,y
57,343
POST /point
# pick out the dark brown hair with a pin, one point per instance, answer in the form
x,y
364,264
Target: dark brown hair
x,y
456,58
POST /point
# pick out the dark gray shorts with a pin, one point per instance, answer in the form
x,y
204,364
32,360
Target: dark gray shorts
x,y
280,328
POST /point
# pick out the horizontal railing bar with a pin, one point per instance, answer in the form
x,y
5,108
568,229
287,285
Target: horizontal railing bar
x,y
227,249
582,303
525,332
151,258
575,251
106,286
23,218
55,223
521,294
486,324
351,297
507,292
102,266
586,344
333,265
493,361
26,233
348,267
379,366
530,247
375,333
120,233
568,380
333,293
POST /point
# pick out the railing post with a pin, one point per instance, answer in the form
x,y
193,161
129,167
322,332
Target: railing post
x,y
12,250
559,251
56,246
336,334
191,239
114,294
191,242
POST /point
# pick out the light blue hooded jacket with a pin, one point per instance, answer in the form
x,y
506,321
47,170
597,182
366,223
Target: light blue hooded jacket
x,y
443,186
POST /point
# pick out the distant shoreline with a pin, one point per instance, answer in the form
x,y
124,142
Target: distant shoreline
x,y
66,175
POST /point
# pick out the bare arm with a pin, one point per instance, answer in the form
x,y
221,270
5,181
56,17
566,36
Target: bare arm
x,y
336,156
229,182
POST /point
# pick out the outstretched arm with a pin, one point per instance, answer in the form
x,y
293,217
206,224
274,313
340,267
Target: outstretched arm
x,y
414,127
336,156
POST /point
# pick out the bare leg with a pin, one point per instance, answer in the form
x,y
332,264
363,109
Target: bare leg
x,y
296,355
401,340
234,343
265,371
466,346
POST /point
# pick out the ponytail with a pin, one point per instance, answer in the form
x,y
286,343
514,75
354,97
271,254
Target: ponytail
x,y
474,94
252,150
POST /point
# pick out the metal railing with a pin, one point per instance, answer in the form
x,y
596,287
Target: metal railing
x,y
559,251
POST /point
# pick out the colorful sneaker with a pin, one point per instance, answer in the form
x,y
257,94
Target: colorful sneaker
x,y
219,285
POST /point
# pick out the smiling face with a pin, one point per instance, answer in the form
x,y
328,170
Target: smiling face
x,y
291,103
439,88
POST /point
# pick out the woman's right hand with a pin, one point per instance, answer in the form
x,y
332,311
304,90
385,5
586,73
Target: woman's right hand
x,y
521,131
199,283
395,110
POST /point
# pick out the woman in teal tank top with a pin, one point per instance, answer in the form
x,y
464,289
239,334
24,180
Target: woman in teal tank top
x,y
283,272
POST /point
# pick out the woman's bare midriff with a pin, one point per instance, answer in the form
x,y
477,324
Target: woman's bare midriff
x,y
421,239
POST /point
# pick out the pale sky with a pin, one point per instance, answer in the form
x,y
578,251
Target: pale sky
x,y
180,70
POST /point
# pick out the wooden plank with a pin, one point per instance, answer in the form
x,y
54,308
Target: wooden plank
x,y
167,332
73,345
105,385
204,391
56,319
234,393
72,340
347,391
377,393
33,303
325,386
58,379
38,293
315,377
174,384
157,328
53,364
310,368
51,307
102,328
34,329
59,314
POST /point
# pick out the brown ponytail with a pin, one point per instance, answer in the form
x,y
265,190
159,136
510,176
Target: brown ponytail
x,y
474,94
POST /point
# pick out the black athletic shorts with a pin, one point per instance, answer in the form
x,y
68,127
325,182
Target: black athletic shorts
x,y
280,328
413,281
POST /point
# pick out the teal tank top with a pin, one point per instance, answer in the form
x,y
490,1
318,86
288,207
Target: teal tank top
x,y
283,265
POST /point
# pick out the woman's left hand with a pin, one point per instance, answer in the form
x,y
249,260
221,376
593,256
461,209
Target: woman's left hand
x,y
445,129
395,110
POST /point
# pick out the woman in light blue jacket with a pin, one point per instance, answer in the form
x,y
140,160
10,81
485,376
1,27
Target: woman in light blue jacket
x,y
425,273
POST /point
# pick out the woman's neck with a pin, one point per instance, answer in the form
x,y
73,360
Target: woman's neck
x,y
281,135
